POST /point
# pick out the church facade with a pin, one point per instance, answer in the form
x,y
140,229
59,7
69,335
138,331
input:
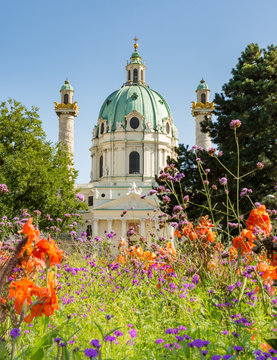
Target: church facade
x,y
131,141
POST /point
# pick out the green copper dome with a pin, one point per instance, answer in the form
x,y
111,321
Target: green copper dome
x,y
140,98
202,85
135,54
66,86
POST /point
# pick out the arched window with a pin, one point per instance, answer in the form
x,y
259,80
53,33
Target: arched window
x,y
141,75
129,75
134,162
135,75
203,98
65,99
101,166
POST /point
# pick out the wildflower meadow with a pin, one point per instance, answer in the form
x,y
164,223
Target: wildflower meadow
x,y
208,293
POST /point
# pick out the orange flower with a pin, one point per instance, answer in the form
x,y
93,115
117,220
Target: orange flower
x,y
21,292
268,270
148,256
189,231
122,243
46,303
169,248
244,242
203,229
30,265
49,248
259,218
233,252
265,346
274,260
121,259
29,230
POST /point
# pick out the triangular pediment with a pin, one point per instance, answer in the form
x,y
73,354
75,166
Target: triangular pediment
x,y
129,202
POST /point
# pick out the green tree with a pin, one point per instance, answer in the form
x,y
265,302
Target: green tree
x,y
39,176
250,96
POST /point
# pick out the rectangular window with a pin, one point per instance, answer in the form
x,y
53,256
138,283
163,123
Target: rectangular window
x,y
90,201
89,230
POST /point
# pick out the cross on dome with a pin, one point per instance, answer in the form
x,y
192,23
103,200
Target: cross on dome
x,y
136,44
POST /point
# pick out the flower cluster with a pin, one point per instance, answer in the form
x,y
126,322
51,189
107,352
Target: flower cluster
x,y
29,297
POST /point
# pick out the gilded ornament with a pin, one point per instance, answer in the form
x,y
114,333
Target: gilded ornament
x,y
200,105
66,106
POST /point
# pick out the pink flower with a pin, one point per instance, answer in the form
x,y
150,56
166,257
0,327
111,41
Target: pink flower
x,y
234,124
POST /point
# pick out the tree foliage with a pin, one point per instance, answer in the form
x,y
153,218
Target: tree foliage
x,y
38,174
251,96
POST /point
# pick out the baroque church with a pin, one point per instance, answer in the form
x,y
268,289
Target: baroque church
x,y
131,141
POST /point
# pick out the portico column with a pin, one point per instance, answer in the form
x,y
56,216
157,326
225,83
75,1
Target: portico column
x,y
123,228
95,227
110,225
142,227
171,231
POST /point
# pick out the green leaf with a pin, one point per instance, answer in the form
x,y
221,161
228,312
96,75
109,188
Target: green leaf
x,y
100,329
65,354
43,345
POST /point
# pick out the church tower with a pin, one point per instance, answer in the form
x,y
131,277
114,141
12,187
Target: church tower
x,y
200,110
66,112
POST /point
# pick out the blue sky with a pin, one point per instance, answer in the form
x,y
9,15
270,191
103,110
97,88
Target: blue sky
x,y
43,42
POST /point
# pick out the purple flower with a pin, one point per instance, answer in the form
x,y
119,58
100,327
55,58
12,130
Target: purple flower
x,y
212,151
80,197
166,199
260,165
223,181
91,353
159,341
4,189
216,357
186,198
67,215
226,357
234,124
133,333
152,192
118,333
177,209
238,348
15,333
195,279
110,338
95,343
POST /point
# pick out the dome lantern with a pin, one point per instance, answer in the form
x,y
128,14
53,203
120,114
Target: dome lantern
x,y
135,68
